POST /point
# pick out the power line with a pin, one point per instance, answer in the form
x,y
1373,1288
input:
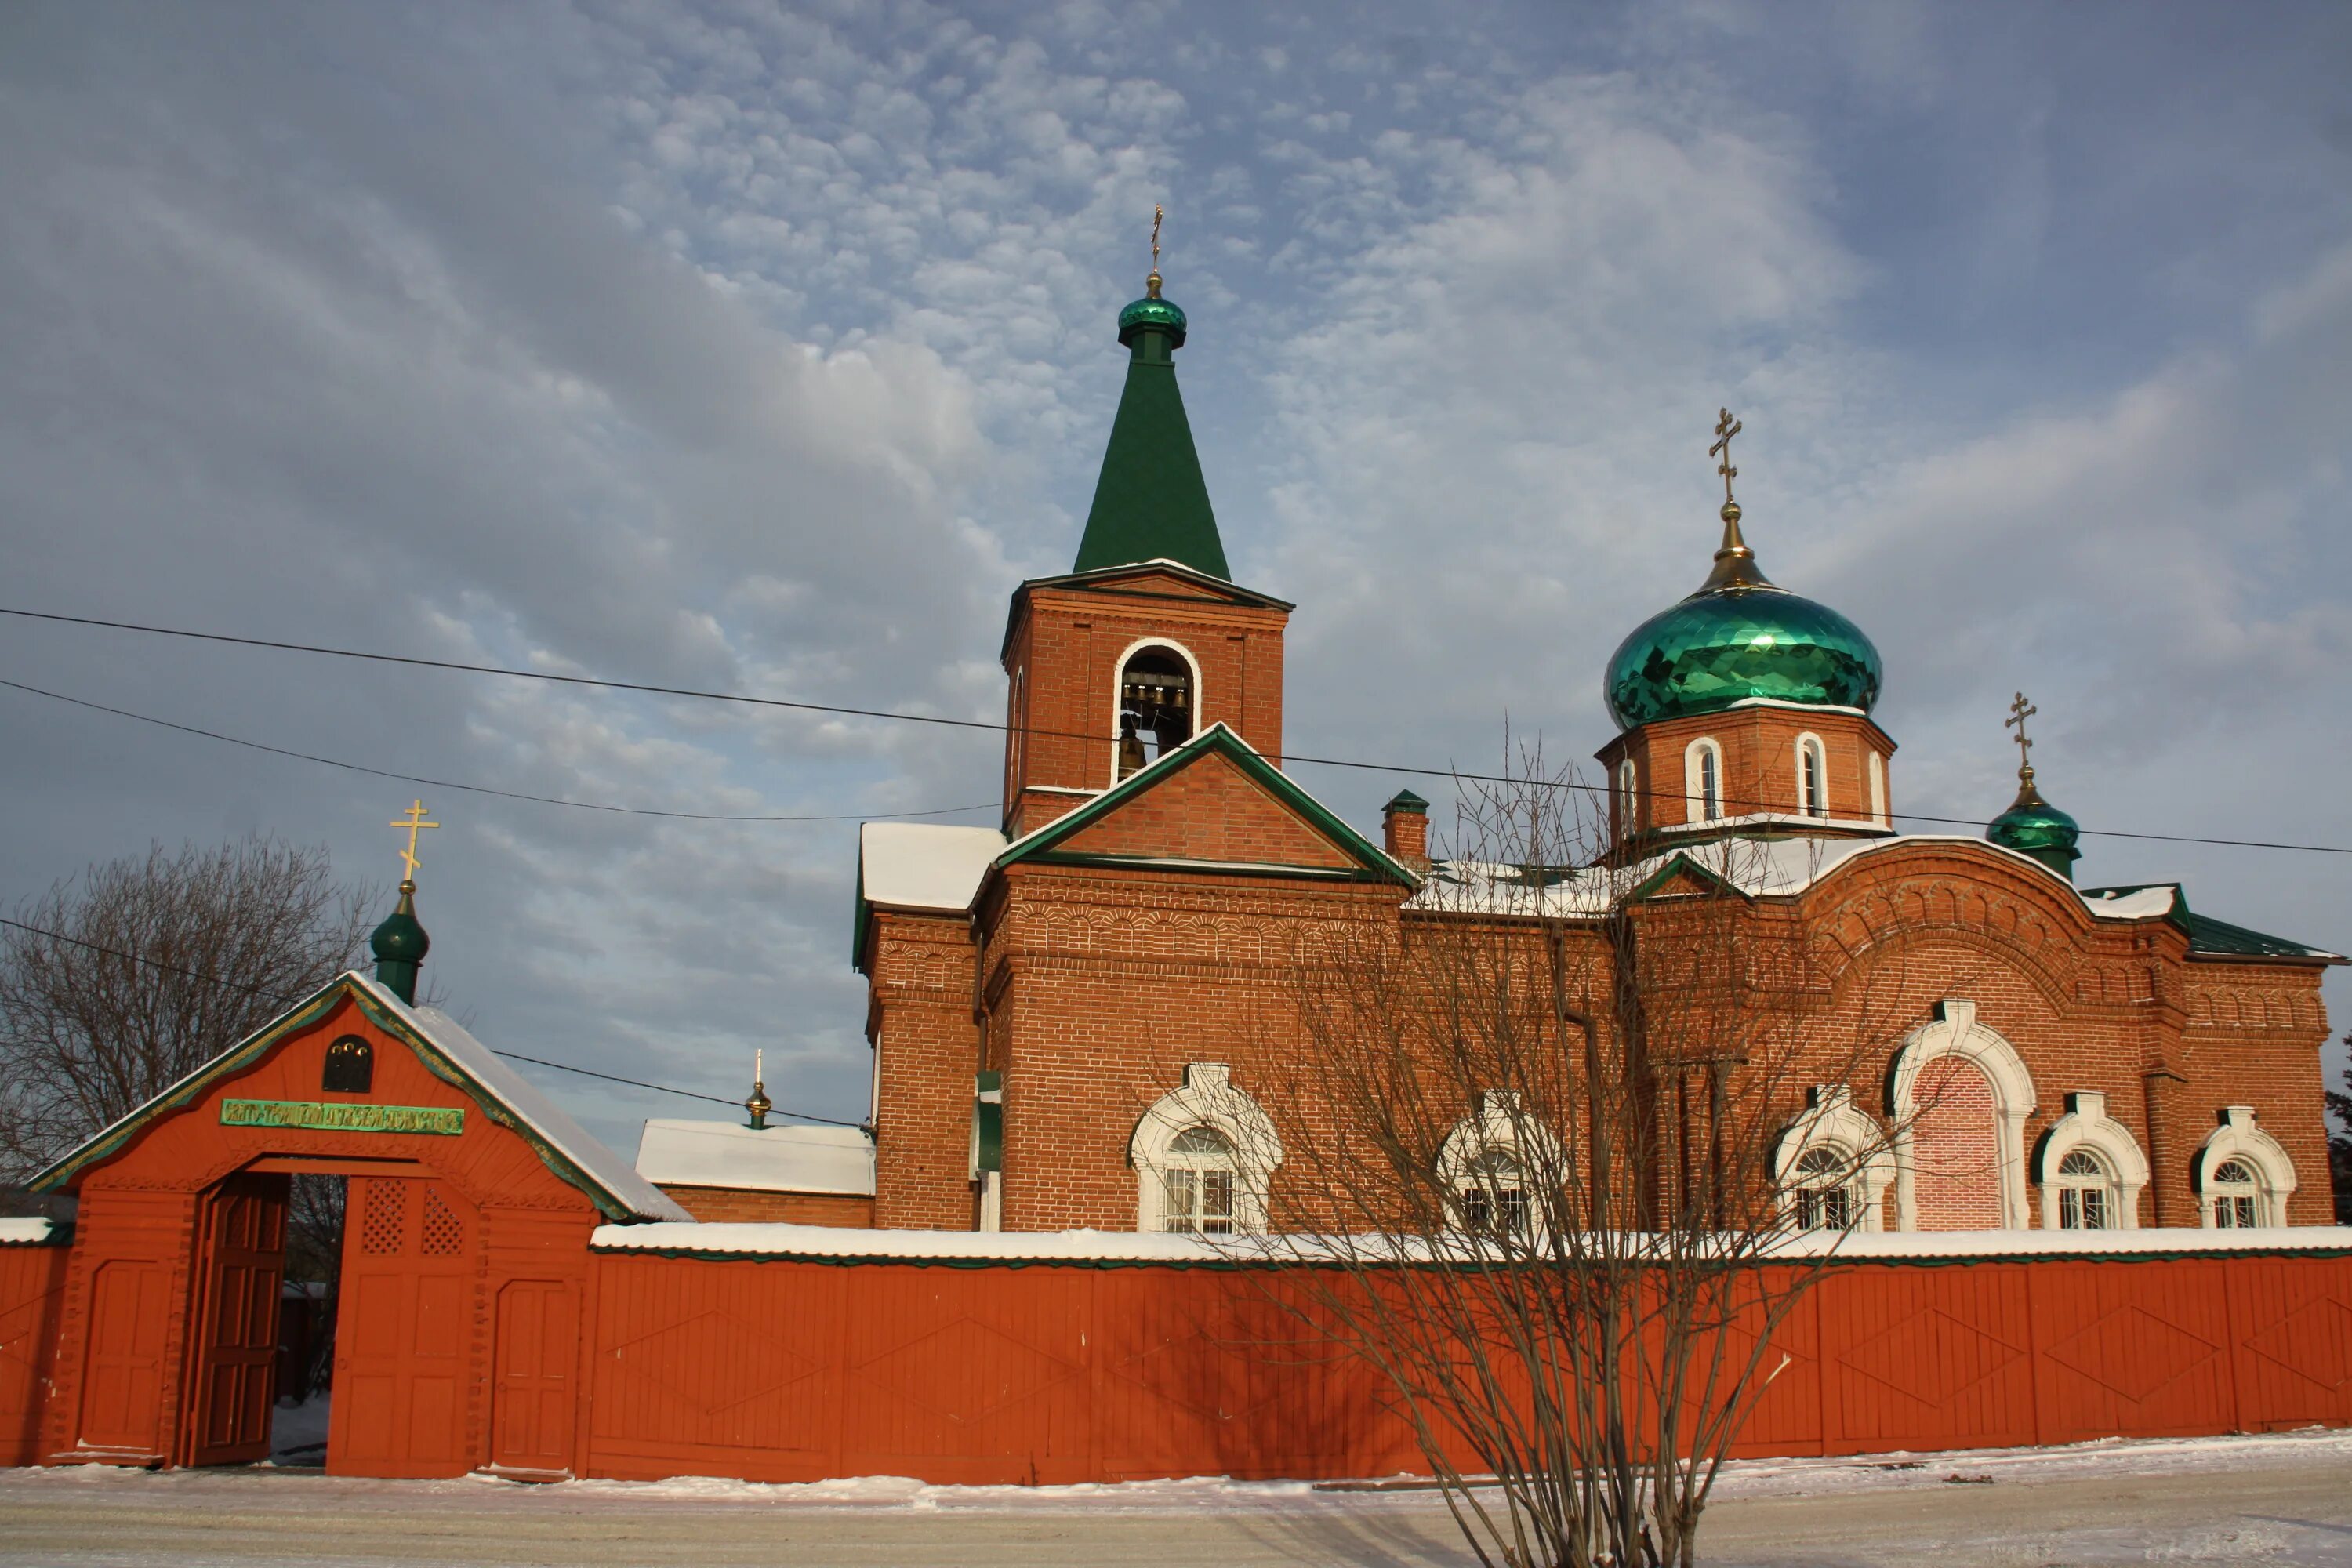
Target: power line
x,y
477,789
1596,791
284,1000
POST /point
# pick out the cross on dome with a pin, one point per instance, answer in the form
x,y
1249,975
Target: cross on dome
x,y
1725,428
413,821
2020,711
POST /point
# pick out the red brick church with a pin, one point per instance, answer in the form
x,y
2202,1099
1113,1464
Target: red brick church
x,y
1069,1015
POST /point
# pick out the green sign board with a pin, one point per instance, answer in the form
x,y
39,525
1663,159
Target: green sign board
x,y
444,1122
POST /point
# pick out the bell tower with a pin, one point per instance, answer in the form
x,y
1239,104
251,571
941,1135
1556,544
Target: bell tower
x,y
1146,640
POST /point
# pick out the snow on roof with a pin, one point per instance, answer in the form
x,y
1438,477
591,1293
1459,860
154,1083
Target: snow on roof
x,y
36,1231
590,1155
2132,904
769,1159
923,864
835,1244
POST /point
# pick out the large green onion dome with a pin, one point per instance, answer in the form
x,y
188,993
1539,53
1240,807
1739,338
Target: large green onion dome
x,y
2031,826
1738,637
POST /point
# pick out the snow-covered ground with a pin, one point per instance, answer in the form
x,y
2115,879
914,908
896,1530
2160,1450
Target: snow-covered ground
x,y
297,1433
2283,1498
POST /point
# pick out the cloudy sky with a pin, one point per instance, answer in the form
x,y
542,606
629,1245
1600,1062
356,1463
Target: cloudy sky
x,y
764,349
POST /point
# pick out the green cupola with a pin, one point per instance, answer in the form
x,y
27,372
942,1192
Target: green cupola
x,y
1740,637
400,945
2031,826
1150,501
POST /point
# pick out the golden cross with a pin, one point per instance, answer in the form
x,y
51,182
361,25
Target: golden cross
x,y
2018,712
1725,428
413,821
1158,212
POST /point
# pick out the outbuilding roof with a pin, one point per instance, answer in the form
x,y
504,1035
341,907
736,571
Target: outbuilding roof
x,y
685,1154
450,1054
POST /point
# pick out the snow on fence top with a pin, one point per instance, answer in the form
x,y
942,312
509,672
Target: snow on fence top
x,y
1104,1249
34,1231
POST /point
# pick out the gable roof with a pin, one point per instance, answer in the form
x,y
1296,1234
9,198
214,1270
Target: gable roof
x,y
576,1156
835,1160
1370,862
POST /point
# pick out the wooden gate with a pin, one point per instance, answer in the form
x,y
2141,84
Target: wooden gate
x,y
405,1331
232,1338
535,1392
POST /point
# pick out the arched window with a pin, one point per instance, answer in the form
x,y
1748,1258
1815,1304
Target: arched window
x,y
2235,1197
1197,1182
1703,780
1158,702
1960,1097
2244,1177
1494,1195
1204,1157
1628,797
2085,1193
1878,789
1812,777
351,1067
1824,1198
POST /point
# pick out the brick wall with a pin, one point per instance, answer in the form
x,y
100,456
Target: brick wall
x,y
1760,762
1955,1149
728,1205
926,1049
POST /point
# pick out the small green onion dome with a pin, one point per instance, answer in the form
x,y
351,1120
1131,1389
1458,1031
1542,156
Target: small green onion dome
x,y
1740,637
2031,826
1152,312
401,938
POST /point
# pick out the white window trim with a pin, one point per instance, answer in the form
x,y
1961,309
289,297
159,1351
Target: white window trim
x,y
1816,809
1955,1032
1878,789
1500,1123
1694,805
1629,795
1831,1119
2241,1137
2086,1125
1208,1098
1119,697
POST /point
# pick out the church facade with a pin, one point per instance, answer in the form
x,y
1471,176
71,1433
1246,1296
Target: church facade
x,y
1072,1016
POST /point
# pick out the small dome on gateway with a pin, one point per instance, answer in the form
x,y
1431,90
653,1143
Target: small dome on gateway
x,y
1740,637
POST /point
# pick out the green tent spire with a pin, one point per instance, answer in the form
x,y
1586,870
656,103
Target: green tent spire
x,y
1151,503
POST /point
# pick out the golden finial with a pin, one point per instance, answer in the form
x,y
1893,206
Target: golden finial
x,y
2020,711
758,1105
1725,428
414,822
1152,284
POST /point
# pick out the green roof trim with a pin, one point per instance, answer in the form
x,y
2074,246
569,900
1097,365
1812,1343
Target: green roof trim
x,y
1372,862
250,1051
1681,862
1150,501
2210,937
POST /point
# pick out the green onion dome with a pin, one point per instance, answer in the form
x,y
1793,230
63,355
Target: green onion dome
x,y
2031,826
1152,312
1738,637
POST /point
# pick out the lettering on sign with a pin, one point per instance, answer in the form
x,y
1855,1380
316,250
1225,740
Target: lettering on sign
x,y
444,1120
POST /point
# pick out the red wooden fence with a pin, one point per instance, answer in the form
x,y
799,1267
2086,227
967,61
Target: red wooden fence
x,y
791,1369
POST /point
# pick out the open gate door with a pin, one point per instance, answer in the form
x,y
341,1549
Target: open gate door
x,y
404,1331
235,1343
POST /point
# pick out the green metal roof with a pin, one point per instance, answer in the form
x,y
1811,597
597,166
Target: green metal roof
x,y
1150,501
2210,937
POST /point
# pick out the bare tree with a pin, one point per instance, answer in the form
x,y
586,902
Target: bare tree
x,y
2339,1143
118,982
1540,1144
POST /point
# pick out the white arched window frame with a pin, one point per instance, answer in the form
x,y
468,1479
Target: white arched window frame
x,y
2241,1138
1016,743
2086,1128
1119,701
1813,776
1500,1142
1208,1098
1955,1032
1878,789
1703,780
1831,1121
1628,798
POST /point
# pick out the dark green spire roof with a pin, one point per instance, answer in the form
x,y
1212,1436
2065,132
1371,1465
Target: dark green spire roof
x,y
1150,503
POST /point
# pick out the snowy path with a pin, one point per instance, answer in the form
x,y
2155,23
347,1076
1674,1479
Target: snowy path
x,y
2284,1499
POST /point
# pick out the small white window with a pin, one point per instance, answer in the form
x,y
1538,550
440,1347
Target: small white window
x,y
1703,780
1813,776
1627,798
1878,789
2236,1196
2085,1193
1198,1178
1824,1195
1494,1196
